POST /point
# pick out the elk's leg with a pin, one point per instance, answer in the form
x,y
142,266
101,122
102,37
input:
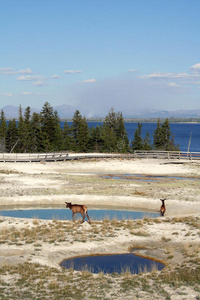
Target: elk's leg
x,y
83,217
88,217
74,218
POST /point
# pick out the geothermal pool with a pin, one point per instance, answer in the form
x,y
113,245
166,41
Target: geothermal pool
x,y
117,263
66,214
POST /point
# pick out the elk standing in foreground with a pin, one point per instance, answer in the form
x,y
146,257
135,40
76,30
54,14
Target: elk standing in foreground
x,y
162,208
77,208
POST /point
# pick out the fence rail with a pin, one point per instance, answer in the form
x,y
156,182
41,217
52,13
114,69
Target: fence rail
x,y
40,157
32,157
167,154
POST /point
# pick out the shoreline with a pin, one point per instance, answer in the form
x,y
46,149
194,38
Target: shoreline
x,y
174,208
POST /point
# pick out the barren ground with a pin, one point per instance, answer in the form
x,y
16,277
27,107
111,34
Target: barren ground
x,y
30,248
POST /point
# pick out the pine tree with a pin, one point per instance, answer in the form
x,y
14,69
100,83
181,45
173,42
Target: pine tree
x,y
67,137
12,136
3,128
111,119
147,142
162,137
38,137
109,138
166,134
137,143
80,132
96,142
20,126
48,125
158,136
27,140
83,136
168,140
57,142
113,132
76,122
122,138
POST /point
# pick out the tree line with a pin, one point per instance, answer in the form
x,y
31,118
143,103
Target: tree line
x,y
41,132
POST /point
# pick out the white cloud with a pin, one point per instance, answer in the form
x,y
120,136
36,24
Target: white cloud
x,y
195,68
31,94
7,71
37,80
7,94
42,83
25,71
39,83
72,71
88,81
26,93
11,71
24,78
29,78
56,77
173,84
162,75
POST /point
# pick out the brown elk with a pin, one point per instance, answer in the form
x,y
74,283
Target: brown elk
x,y
77,208
162,208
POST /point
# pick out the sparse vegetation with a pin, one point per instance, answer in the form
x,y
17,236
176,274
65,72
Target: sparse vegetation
x,y
30,280
59,231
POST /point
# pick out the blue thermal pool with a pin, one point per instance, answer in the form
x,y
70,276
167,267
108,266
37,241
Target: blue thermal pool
x,y
118,263
66,214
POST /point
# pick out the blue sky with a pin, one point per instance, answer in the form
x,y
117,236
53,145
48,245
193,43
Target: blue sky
x,y
96,54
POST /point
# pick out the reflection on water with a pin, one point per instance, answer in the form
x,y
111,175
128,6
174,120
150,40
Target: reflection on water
x,y
118,263
66,214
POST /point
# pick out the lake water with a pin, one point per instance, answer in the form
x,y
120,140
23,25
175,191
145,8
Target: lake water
x,y
66,214
180,131
117,263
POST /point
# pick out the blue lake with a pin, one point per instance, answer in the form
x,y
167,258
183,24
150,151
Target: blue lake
x,y
117,263
180,131
66,214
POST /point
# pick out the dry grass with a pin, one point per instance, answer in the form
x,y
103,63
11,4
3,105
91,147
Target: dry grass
x,y
59,231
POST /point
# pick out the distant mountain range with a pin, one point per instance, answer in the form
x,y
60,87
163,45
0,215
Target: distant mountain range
x,y
151,114
67,112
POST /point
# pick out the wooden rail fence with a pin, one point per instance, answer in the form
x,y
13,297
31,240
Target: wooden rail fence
x,y
41,157
32,157
167,154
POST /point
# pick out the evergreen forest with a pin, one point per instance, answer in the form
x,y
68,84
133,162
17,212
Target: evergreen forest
x,y
41,132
